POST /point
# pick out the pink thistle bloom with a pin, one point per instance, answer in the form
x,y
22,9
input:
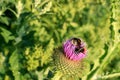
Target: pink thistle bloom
x,y
74,49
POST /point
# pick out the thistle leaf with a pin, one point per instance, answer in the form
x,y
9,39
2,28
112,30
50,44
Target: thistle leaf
x,y
15,64
7,35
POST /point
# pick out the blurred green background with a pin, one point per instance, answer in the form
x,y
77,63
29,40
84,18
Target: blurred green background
x,y
31,29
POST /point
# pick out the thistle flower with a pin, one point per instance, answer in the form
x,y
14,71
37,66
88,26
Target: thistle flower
x,y
74,49
69,59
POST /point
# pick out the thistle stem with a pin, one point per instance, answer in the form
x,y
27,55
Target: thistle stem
x,y
111,50
110,76
107,58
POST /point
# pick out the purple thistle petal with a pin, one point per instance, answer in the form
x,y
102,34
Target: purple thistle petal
x,y
74,49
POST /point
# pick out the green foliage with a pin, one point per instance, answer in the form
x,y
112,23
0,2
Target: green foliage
x,y
31,29
37,56
15,65
7,35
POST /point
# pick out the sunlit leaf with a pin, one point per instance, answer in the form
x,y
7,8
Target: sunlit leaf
x,y
7,35
48,53
4,20
14,62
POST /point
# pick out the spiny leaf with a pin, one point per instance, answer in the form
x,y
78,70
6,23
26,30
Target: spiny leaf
x,y
7,35
48,53
15,64
2,60
19,7
4,20
46,8
33,57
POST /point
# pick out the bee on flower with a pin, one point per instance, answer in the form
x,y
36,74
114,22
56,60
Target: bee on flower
x,y
70,58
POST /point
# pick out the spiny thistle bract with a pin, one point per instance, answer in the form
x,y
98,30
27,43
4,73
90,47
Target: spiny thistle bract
x,y
69,59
